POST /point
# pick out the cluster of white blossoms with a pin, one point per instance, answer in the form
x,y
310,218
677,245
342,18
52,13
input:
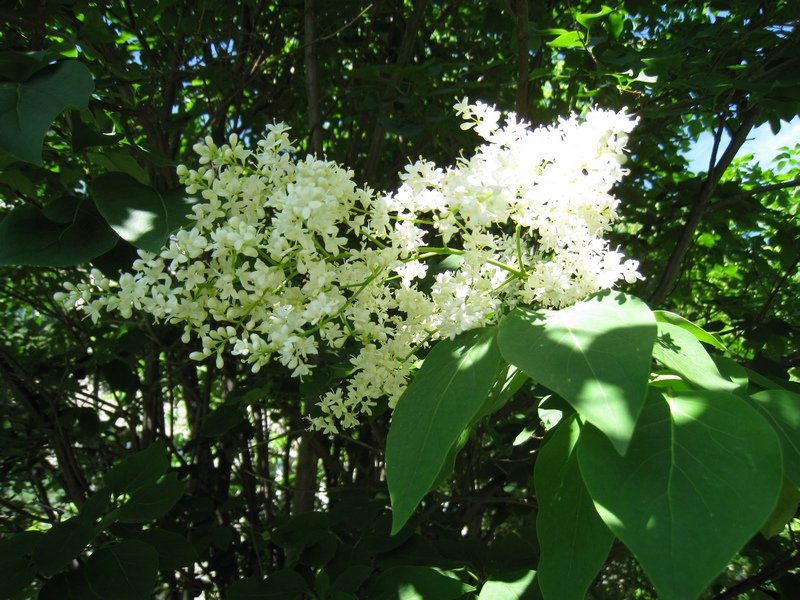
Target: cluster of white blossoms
x,y
287,256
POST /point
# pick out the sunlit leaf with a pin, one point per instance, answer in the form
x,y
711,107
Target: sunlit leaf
x,y
595,354
702,474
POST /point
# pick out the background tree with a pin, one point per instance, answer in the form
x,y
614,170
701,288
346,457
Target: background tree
x,y
205,476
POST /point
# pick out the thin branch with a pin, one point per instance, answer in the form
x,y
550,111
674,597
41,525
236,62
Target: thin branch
x,y
313,85
523,60
701,206
727,201
777,567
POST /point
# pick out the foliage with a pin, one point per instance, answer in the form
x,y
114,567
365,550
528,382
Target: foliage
x,y
610,448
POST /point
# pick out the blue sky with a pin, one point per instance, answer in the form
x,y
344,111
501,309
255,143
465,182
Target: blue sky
x,y
761,142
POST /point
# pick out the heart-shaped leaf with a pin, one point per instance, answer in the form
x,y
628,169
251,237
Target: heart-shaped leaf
x,y
139,213
595,354
27,108
702,474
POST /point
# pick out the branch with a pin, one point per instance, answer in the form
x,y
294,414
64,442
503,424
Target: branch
x,y
312,79
702,205
403,57
523,49
777,567
725,202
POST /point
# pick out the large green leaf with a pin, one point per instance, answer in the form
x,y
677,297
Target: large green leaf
x,y
595,354
138,470
124,571
175,551
62,543
417,583
781,409
702,473
573,539
678,349
28,108
16,575
139,213
70,585
663,316
152,501
517,585
67,232
437,406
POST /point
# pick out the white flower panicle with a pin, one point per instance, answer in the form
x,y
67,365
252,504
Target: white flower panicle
x,y
288,256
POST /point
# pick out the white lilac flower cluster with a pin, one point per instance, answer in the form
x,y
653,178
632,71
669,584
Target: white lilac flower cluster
x,y
286,256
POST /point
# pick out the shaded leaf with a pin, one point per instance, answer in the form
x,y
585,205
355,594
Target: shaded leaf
x,y
28,108
16,575
127,570
663,316
417,583
781,409
138,470
140,214
679,350
702,475
71,585
152,501
437,406
175,551
785,510
283,585
61,544
30,236
573,539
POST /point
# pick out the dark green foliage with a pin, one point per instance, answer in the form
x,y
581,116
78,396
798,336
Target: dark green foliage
x,y
130,471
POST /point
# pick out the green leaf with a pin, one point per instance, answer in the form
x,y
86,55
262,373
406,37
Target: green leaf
x,y
222,419
119,160
84,136
30,236
16,575
784,511
351,579
138,470
19,66
62,544
139,213
96,505
417,583
781,409
595,354
573,539
663,316
19,545
587,19
71,585
175,551
571,39
517,585
436,407
679,350
152,501
28,108
283,585
127,570
702,474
